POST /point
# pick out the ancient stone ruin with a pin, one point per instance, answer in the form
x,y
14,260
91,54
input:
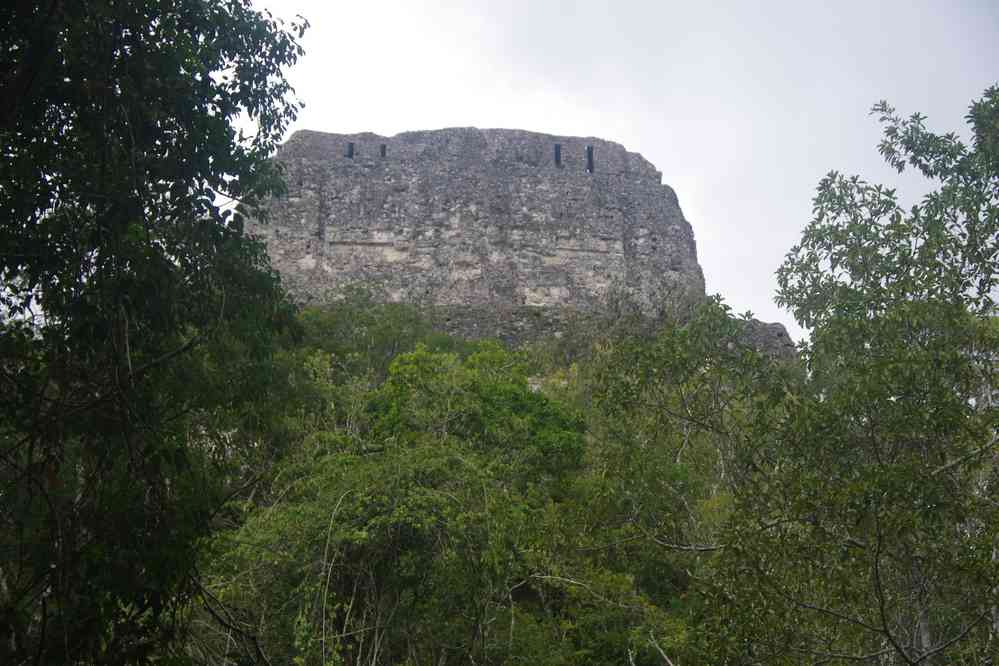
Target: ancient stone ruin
x,y
496,228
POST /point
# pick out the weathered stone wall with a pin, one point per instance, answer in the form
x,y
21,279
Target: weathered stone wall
x,y
483,218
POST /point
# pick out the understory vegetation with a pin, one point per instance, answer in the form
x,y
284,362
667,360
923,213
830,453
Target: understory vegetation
x,y
674,498
194,470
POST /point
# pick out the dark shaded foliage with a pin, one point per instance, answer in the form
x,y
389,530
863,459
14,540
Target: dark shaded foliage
x,y
126,281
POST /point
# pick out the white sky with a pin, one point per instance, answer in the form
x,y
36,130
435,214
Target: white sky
x,y
743,106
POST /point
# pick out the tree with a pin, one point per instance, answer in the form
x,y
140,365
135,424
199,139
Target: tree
x,y
125,274
417,529
867,527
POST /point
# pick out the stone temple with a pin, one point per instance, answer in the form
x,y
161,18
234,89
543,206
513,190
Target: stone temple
x,y
497,228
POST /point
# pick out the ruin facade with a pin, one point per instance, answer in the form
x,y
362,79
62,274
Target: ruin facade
x,y
463,217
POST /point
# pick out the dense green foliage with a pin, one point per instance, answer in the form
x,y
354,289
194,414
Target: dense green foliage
x,y
448,512
135,314
192,472
870,530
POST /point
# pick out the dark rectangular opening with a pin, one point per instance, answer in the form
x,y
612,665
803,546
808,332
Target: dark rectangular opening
x,y
350,150
589,159
381,150
558,155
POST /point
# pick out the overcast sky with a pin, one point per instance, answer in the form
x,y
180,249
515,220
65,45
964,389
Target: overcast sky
x,y
743,106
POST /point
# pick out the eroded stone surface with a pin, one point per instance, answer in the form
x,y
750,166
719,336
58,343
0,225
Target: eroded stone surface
x,y
770,338
469,217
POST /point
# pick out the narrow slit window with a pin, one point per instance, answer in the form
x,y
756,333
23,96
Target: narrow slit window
x,y
382,150
589,159
558,155
350,150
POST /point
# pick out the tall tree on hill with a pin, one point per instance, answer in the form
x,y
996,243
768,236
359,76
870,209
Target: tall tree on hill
x,y
868,526
121,261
